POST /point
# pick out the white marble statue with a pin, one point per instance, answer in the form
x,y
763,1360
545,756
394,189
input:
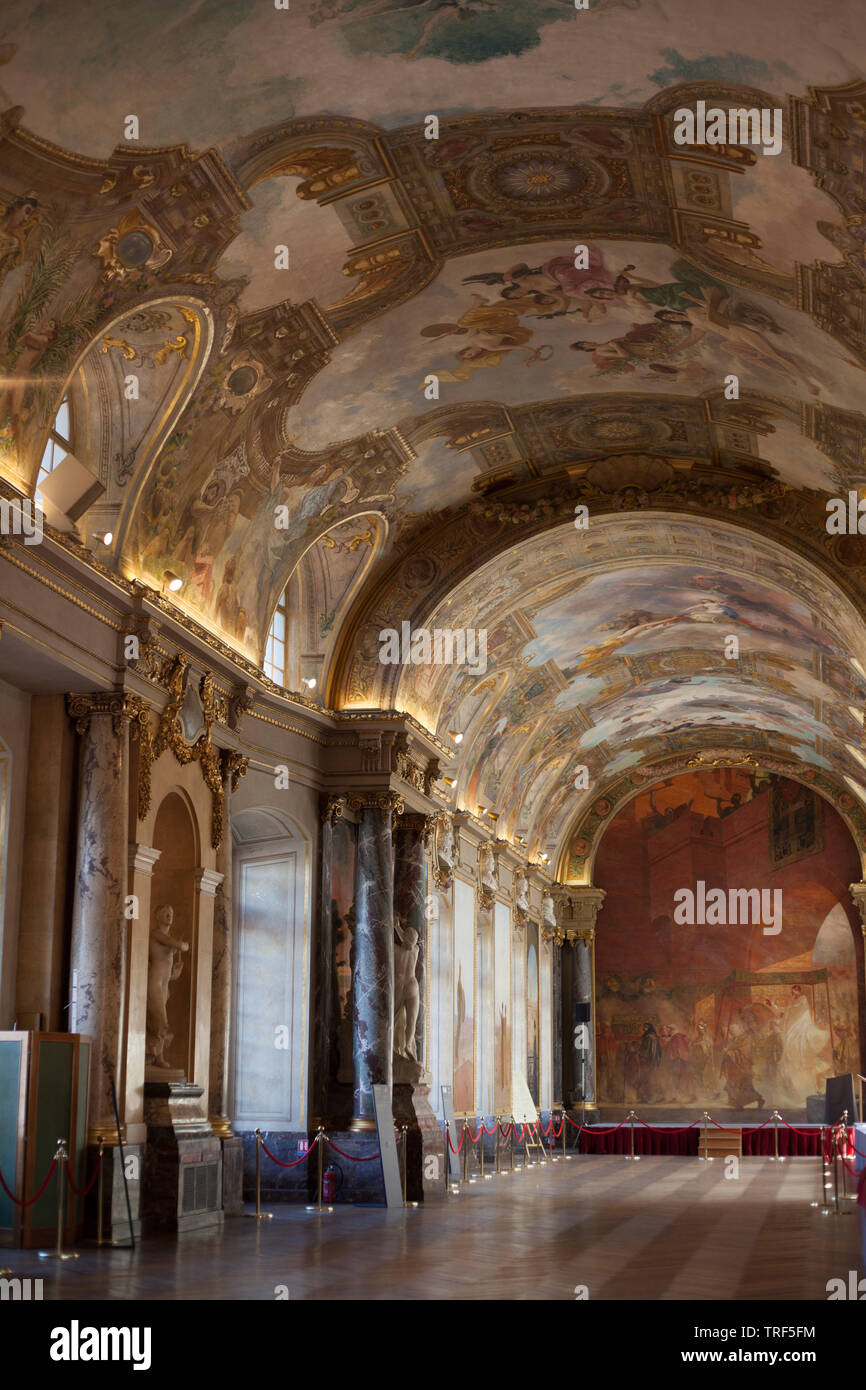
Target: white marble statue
x,y
165,963
445,843
407,995
489,878
548,909
521,893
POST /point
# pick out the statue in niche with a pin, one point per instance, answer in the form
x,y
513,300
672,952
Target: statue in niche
x,y
407,995
445,842
521,893
548,909
165,964
487,861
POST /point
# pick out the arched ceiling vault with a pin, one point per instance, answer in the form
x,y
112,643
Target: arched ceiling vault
x,y
608,649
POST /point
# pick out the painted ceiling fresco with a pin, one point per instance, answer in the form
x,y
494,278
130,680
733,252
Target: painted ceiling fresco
x,y
606,649
423,354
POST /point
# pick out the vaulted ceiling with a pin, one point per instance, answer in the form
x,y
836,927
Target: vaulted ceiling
x,y
425,353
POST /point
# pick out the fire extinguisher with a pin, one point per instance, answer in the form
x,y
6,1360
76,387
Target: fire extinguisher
x,y
329,1183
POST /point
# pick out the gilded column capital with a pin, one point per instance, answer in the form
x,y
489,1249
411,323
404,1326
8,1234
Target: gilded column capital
x,y
120,705
234,766
421,823
332,809
379,800
858,893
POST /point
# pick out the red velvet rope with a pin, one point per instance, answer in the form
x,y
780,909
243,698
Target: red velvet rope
x,y
84,1191
557,1133
805,1132
505,1132
587,1129
354,1158
295,1161
30,1200
655,1129
489,1132
544,1131
473,1138
459,1146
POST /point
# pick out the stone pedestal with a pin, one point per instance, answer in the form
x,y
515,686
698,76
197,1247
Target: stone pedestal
x,y
182,1176
232,1175
425,1180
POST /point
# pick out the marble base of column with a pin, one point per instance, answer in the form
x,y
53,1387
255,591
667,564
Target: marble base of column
x,y
115,1214
424,1158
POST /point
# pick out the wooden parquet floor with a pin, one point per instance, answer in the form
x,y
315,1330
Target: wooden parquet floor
x,y
661,1228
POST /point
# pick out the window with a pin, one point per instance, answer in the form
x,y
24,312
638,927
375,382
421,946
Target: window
x,y
58,445
275,652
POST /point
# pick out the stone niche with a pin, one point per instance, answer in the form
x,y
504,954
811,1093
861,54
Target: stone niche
x,y
182,1176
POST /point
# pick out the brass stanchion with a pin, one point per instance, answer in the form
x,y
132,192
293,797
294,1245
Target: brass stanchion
x,y
258,1214
465,1152
447,1158
775,1158
498,1123
320,1141
820,1202
511,1147
404,1131
58,1253
562,1136
99,1191
702,1157
631,1156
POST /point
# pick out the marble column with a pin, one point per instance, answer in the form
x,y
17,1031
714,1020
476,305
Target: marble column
x,y
373,1006
412,834
324,1045
556,1021
576,909
582,993
233,767
97,956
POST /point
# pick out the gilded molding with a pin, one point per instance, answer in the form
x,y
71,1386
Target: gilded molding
x,y
332,809
381,800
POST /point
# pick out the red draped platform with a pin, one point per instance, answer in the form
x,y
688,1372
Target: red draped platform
x,y
757,1141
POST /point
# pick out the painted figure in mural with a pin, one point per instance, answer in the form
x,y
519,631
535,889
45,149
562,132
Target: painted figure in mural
x,y
676,1074
805,1048
737,1068
555,287
494,329
407,994
165,963
649,1057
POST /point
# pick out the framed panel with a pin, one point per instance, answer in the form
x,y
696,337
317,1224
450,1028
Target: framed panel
x,y
502,1010
533,1068
463,1009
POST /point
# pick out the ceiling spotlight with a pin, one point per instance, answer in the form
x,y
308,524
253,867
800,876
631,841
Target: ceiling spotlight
x,y
519,840
493,815
449,781
482,810
104,537
309,682
173,581
544,858
457,737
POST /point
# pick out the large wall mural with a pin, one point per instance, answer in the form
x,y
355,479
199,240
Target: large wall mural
x,y
726,1016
